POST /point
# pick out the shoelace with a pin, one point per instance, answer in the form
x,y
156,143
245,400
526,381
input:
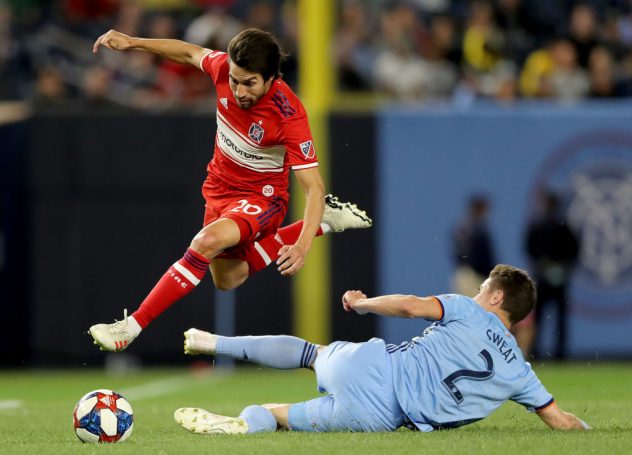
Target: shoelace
x,y
334,204
120,326
356,210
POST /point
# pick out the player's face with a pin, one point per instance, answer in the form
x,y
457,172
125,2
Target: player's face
x,y
487,295
247,87
484,293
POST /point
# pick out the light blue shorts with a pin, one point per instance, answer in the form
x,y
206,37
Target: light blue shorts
x,y
358,378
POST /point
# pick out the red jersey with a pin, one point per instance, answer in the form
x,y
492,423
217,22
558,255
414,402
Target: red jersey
x,y
256,147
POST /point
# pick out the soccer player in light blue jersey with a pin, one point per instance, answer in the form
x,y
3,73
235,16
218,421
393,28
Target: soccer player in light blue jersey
x,y
463,367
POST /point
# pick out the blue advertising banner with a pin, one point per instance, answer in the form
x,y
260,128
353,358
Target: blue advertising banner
x,y
431,162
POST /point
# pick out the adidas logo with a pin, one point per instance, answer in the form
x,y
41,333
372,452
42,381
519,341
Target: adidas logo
x,y
224,102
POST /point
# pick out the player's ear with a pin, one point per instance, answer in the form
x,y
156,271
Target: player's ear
x,y
498,297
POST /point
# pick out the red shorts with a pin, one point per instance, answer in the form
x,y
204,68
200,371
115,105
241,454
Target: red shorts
x,y
256,215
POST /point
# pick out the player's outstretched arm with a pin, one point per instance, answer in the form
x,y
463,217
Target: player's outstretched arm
x,y
176,50
292,257
397,305
557,419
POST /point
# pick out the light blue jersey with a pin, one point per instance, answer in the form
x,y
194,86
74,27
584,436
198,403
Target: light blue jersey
x,y
462,369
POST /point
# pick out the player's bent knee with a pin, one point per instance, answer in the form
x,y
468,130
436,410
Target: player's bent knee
x,y
208,244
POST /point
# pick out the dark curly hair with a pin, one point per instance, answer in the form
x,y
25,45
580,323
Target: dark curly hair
x,y
257,51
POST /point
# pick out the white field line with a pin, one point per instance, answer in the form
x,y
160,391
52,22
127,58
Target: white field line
x,y
5,405
168,386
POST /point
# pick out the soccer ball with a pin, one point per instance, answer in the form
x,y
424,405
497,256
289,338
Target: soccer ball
x,y
103,416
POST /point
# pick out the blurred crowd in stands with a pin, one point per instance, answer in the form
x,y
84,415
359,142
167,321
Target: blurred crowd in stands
x,y
415,51
420,50
46,51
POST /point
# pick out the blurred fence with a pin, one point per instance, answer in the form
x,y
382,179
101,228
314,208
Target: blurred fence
x,y
14,284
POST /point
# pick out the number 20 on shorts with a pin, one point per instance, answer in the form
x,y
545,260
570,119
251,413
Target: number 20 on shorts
x,y
248,209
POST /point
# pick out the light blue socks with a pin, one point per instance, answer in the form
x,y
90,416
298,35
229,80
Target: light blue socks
x,y
259,419
283,352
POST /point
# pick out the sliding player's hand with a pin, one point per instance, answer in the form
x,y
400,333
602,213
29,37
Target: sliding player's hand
x,y
114,40
291,259
350,299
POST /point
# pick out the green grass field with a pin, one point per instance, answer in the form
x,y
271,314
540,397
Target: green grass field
x,y
36,414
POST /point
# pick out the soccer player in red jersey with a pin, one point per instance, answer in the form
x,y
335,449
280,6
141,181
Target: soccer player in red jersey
x,y
262,132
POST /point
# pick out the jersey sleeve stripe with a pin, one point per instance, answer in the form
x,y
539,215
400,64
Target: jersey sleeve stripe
x,y
202,60
211,54
544,406
440,307
304,166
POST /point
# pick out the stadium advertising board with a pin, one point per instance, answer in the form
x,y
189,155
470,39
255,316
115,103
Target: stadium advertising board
x,y
432,162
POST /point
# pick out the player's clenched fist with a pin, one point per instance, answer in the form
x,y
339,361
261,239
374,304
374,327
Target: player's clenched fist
x,y
350,299
114,40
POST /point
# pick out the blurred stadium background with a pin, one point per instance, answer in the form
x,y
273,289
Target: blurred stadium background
x,y
416,105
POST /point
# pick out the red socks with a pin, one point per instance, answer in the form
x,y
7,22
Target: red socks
x,y
184,275
262,253
181,278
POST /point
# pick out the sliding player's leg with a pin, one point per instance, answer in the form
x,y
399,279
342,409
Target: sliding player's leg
x,y
279,351
253,419
361,397
321,414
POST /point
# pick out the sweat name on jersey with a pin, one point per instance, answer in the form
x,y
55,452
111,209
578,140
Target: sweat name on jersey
x,y
503,347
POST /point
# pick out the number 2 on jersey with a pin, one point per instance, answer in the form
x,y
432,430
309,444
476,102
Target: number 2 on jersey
x,y
450,380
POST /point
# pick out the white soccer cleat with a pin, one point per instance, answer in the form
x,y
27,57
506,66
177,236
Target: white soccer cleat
x,y
199,342
344,215
112,337
199,421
